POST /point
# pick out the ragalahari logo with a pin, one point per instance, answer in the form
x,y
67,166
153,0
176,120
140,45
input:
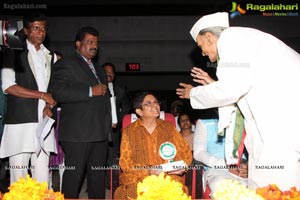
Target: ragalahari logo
x,y
236,10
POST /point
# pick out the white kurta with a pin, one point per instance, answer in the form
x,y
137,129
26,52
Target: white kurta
x,y
261,74
21,138
217,169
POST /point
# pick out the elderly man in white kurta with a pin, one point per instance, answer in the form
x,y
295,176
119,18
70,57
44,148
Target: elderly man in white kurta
x,y
260,74
25,79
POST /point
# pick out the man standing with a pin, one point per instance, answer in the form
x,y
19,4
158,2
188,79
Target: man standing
x,y
120,106
254,72
25,79
4,181
80,86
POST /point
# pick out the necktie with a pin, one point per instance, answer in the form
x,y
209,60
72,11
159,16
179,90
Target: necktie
x,y
93,69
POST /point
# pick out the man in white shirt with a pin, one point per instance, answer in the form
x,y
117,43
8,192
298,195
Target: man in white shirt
x,y
25,79
259,74
209,148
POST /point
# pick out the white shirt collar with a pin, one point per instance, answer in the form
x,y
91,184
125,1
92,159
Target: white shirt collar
x,y
31,47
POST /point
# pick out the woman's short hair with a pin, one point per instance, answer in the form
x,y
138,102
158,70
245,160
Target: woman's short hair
x,y
139,98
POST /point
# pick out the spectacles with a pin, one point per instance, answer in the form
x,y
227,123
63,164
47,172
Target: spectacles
x,y
151,104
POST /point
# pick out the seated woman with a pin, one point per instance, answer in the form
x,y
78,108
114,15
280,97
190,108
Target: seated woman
x,y
141,147
186,131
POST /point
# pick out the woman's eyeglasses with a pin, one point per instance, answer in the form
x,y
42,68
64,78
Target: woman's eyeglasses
x,y
151,104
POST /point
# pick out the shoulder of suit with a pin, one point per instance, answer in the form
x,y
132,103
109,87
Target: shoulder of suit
x,y
72,58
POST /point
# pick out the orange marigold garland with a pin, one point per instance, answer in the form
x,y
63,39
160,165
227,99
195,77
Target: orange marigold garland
x,y
30,189
229,189
272,192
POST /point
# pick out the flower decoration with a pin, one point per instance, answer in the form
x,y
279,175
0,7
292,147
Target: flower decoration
x,y
228,189
160,187
272,192
31,189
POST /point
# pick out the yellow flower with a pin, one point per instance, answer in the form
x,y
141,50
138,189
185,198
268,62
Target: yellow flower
x,y
31,189
160,188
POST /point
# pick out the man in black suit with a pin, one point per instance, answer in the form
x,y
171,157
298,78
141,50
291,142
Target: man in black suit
x,y
80,86
122,103
120,106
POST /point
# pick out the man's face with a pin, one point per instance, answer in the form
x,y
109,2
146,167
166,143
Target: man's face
x,y
88,47
208,45
110,73
36,33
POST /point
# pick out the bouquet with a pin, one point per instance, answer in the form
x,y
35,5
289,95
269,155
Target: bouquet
x,y
160,188
228,189
31,189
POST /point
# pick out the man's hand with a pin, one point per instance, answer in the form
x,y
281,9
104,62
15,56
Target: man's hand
x,y
241,171
99,90
47,111
201,76
49,100
184,91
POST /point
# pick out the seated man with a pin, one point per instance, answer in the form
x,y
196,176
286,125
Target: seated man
x,y
209,148
141,147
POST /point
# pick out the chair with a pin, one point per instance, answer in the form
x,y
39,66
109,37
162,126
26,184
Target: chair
x,y
206,192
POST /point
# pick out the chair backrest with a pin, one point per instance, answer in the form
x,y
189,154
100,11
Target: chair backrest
x,y
129,118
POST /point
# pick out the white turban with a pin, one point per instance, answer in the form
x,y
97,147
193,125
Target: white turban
x,y
219,19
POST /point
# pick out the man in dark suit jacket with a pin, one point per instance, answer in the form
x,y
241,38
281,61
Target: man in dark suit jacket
x,y
119,98
80,86
122,103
